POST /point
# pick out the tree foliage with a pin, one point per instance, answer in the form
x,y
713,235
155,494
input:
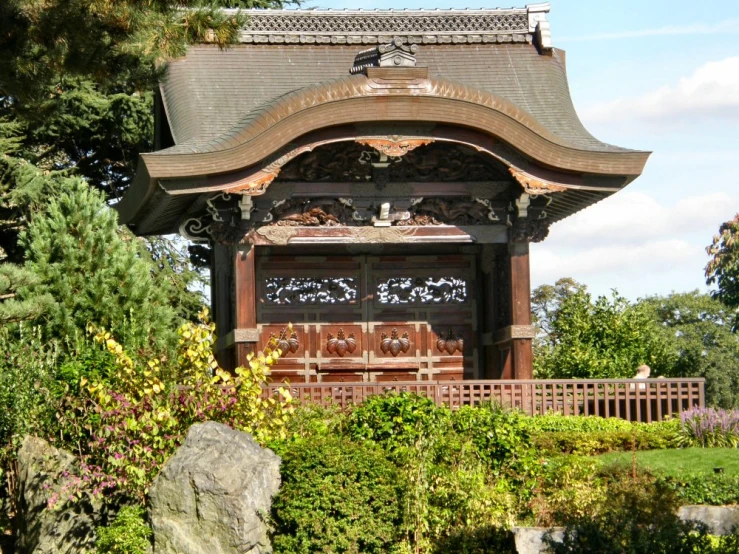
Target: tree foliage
x,y
96,273
545,303
601,338
698,329
723,268
12,309
77,81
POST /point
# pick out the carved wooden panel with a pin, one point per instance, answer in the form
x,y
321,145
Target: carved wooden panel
x,y
378,318
342,345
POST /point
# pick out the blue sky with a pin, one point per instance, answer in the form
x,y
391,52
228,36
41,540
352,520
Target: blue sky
x,y
656,75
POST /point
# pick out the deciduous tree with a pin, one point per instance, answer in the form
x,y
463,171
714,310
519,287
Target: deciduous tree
x,y
601,338
723,268
697,329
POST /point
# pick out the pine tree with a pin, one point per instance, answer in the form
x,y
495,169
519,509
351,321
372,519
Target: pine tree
x,y
97,273
13,310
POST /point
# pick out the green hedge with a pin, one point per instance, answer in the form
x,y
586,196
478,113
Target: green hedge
x,y
713,490
336,496
600,442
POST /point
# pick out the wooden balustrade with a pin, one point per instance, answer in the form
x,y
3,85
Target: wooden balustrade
x,y
632,399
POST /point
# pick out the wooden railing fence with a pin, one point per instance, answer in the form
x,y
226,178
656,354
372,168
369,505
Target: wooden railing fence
x,y
643,400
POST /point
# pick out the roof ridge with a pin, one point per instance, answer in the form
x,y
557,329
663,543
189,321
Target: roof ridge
x,y
417,25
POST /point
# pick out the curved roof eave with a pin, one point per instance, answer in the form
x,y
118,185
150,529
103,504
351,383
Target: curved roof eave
x,y
383,95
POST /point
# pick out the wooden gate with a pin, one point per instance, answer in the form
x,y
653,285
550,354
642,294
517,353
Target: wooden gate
x,y
369,318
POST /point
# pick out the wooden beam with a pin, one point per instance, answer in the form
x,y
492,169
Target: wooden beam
x,y
279,235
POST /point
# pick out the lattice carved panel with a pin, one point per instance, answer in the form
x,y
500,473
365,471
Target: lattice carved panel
x,y
422,290
311,290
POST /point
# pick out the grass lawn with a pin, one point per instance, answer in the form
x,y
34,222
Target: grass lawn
x,y
682,461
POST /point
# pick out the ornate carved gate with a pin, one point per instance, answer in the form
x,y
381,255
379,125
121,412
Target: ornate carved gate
x,y
372,318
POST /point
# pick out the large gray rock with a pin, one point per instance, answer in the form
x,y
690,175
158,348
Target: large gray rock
x,y
530,540
212,496
721,520
45,473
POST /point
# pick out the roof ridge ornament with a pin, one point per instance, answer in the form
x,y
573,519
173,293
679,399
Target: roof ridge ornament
x,y
393,54
539,25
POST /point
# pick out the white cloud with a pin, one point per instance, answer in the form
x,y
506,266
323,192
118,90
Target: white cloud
x,y
711,91
729,26
631,218
634,242
615,261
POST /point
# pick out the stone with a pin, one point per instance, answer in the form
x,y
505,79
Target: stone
x,y
530,540
721,520
67,527
213,495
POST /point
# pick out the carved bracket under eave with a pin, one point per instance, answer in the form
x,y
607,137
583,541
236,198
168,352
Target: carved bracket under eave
x,y
394,148
533,185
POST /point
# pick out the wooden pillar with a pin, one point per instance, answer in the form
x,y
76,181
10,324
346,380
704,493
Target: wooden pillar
x,y
521,336
245,308
221,300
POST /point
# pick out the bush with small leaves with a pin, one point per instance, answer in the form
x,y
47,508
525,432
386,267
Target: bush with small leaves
x,y
641,518
128,533
337,496
394,420
134,423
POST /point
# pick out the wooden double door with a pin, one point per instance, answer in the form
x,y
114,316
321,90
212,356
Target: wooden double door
x,y
369,318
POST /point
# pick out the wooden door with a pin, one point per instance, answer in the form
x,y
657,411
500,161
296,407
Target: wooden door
x,y
369,318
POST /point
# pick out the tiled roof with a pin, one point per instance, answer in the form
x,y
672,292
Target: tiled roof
x,y
210,90
491,71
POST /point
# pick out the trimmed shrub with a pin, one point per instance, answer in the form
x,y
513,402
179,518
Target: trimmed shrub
x,y
336,496
556,422
127,534
591,443
713,490
501,437
589,435
395,420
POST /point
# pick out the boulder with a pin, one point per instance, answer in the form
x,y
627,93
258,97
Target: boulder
x,y
721,520
530,540
49,523
213,495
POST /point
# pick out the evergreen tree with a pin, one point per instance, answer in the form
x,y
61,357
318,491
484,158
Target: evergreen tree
x,y
97,273
77,77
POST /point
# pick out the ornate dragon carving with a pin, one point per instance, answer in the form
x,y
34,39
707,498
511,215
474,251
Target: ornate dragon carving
x,y
422,161
335,212
451,211
311,213
419,290
310,290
